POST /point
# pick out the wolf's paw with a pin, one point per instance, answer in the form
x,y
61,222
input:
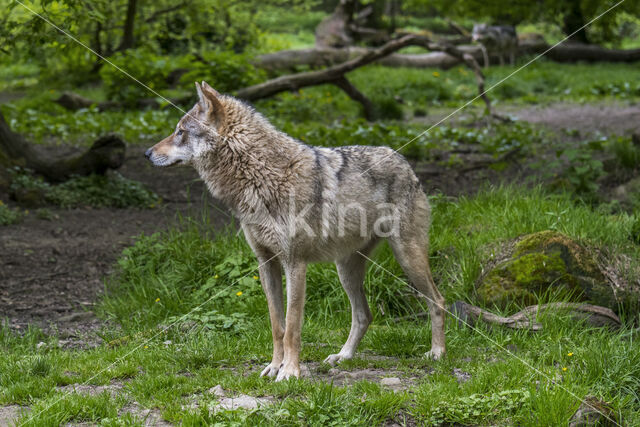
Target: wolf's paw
x,y
271,370
287,371
435,353
334,359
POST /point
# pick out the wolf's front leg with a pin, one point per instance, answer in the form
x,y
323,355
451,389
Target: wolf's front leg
x,y
296,284
271,278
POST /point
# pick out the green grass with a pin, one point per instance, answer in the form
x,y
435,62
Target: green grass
x,y
517,377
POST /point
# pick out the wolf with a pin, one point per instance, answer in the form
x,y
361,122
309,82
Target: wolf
x,y
298,204
498,39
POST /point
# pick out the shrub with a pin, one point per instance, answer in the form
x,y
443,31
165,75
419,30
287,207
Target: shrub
x,y
225,71
8,215
95,190
144,65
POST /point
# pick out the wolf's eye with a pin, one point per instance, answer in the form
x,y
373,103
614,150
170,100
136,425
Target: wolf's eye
x,y
179,132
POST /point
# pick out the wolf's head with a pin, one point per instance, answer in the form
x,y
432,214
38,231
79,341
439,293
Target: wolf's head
x,y
197,132
479,32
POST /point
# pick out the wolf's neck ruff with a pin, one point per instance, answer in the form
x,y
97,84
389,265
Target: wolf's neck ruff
x,y
254,164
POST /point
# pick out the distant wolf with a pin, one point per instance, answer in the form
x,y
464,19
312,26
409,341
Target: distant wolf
x,y
496,39
299,204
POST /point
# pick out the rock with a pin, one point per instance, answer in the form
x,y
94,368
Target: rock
x,y
549,261
626,193
461,376
10,414
591,412
217,391
392,382
243,402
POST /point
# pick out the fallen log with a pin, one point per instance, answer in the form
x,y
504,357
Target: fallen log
x,y
470,315
322,57
574,52
107,152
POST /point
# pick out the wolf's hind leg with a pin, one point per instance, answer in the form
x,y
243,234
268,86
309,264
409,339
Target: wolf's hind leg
x,y
351,271
410,250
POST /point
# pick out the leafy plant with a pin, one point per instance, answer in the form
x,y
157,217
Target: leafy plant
x,y
9,215
478,408
223,70
95,190
146,66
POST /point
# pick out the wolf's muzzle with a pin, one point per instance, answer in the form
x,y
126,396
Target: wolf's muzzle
x,y
148,153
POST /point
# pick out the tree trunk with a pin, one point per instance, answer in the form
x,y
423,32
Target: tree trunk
x,y
128,40
573,23
334,30
107,152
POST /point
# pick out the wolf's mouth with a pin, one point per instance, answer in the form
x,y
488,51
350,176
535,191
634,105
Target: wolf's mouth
x,y
160,160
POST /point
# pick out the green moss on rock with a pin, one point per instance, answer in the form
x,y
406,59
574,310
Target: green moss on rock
x,y
540,262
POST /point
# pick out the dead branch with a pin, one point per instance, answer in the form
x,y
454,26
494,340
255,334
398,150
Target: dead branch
x,y
468,314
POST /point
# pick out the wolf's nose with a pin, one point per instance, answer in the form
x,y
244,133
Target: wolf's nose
x,y
147,153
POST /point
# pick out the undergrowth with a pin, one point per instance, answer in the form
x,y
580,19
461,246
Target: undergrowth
x,y
112,190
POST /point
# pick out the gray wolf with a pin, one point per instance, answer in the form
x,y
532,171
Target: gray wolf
x,y
496,39
300,204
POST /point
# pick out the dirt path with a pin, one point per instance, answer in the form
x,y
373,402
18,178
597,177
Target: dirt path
x,y
589,119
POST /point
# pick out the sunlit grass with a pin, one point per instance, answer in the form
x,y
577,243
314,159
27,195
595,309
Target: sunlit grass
x,y
515,377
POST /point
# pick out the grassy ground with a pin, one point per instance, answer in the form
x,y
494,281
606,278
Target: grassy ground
x,y
186,313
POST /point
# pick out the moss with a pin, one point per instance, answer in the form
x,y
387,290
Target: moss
x,y
542,262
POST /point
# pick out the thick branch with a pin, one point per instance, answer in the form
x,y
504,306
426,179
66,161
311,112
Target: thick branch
x,y
470,315
356,95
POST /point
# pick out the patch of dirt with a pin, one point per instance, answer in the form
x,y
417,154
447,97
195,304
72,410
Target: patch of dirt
x,y
589,120
51,271
149,417
9,414
92,390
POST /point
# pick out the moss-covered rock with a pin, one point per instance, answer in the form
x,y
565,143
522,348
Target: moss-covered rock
x,y
542,262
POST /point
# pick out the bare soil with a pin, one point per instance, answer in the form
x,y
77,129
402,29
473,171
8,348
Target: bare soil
x,y
52,271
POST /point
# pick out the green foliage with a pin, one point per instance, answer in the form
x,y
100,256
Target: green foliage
x,y
388,108
479,408
627,154
41,121
224,71
497,139
9,215
147,67
583,171
95,190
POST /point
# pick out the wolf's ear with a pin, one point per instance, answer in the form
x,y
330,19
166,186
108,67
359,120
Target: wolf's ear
x,y
210,103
